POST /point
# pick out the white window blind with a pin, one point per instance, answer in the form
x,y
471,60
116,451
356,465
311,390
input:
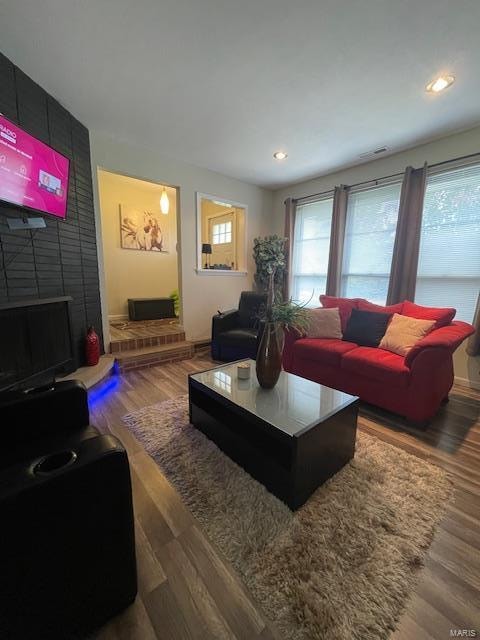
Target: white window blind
x,y
449,261
369,238
311,248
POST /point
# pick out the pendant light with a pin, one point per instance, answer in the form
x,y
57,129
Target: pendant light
x,y
164,202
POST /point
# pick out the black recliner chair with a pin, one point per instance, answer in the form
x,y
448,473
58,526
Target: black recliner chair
x,y
236,334
67,551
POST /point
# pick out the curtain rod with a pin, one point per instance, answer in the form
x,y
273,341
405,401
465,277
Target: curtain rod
x,y
392,175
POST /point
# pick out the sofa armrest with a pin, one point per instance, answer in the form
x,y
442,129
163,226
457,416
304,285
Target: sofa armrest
x,y
224,322
446,339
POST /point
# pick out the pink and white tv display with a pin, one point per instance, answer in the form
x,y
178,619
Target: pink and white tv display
x,y
32,174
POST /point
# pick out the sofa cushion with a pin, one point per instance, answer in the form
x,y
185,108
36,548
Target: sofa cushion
x,y
324,323
366,328
441,315
365,305
404,332
344,306
325,350
377,364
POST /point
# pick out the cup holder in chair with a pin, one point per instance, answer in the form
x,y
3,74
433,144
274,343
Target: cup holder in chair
x,y
54,462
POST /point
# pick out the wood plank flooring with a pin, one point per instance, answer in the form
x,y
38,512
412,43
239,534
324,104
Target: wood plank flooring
x,y
188,590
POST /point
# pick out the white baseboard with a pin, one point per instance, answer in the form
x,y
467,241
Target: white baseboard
x,y
465,382
116,318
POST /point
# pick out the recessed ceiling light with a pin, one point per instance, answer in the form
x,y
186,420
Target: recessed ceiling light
x,y
439,84
279,155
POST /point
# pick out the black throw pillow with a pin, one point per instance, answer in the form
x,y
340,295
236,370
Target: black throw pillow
x,y
366,328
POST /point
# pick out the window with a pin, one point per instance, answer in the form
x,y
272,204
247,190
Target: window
x,y
222,233
449,261
369,239
311,248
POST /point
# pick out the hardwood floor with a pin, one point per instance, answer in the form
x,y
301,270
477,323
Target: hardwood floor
x,y
188,590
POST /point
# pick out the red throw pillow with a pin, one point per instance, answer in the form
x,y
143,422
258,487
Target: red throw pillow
x,y
344,305
365,305
442,316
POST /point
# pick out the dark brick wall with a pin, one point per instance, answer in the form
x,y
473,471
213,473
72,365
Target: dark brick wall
x,y
61,259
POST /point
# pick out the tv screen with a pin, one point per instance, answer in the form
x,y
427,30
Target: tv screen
x,y
32,174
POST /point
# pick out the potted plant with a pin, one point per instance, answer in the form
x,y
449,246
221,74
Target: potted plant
x,y
175,296
278,317
269,256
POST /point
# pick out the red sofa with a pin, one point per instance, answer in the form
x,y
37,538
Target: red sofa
x,y
413,386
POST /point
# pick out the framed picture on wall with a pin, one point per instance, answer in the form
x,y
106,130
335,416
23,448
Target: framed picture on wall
x,y
142,230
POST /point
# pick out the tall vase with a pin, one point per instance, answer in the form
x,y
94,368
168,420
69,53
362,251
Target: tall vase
x,y
269,356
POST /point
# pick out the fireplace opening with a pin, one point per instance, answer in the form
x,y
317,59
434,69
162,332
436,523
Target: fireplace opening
x,y
35,342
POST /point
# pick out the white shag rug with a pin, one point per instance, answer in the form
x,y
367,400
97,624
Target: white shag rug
x,y
340,567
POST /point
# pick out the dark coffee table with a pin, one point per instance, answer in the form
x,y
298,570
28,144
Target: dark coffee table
x,y
291,438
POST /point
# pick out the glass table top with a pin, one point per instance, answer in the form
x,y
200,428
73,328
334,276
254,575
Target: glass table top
x,y
294,405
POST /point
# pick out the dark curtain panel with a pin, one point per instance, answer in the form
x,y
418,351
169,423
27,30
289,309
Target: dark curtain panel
x,y
337,237
290,213
473,344
403,275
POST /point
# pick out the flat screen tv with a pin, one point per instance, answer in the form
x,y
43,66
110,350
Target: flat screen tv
x,y
32,175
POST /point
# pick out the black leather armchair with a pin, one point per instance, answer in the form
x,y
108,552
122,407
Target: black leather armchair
x,y
67,552
236,334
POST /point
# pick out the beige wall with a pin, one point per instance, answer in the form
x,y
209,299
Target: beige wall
x,y
467,369
130,273
201,295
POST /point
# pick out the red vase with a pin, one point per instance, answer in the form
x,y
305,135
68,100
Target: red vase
x,y
92,347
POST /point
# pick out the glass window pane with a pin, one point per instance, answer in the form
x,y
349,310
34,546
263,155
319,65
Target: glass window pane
x,y
311,248
313,256
369,239
222,233
307,289
449,260
373,288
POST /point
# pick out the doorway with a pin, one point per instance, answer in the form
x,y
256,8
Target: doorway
x,y
140,232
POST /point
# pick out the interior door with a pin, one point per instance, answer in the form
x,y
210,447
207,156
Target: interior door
x,y
221,231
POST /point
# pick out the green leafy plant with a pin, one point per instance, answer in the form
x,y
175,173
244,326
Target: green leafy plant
x,y
290,315
175,296
287,314
269,256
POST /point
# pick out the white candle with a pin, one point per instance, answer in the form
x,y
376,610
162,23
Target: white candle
x,y
243,370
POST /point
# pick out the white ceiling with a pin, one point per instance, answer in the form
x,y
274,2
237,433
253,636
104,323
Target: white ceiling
x,y
225,83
